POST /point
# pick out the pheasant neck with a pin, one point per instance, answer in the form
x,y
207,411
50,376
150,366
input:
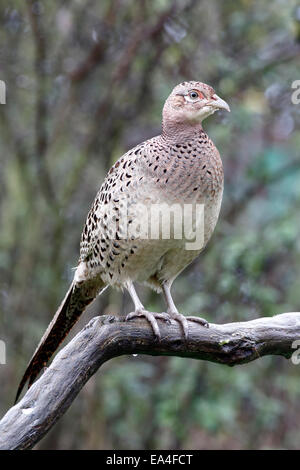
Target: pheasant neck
x,y
181,132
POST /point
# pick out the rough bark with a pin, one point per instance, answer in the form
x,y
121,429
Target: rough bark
x,y
106,337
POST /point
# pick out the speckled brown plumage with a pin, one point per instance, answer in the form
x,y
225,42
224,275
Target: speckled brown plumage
x,y
181,166
157,171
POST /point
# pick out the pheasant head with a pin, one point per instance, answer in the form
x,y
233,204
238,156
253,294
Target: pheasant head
x,y
188,105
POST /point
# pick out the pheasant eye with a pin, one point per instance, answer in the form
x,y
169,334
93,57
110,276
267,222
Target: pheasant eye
x,y
193,95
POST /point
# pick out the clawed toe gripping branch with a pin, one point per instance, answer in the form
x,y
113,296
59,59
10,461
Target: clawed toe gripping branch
x,y
107,337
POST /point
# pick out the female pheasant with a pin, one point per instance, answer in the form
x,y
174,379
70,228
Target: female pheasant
x,y
179,168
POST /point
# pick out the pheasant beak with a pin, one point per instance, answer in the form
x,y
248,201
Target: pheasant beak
x,y
218,103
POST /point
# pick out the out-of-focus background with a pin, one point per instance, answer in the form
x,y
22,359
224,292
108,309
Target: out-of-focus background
x,y
85,81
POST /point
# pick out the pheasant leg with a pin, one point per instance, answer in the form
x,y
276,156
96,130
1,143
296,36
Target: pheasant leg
x,y
140,311
173,312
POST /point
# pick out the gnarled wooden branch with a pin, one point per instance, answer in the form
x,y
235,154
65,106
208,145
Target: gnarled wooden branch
x,y
107,337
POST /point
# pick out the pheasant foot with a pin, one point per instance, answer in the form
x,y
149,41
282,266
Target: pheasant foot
x,y
151,317
183,321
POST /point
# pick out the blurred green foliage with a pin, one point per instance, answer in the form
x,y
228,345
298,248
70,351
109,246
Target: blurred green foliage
x,y
85,81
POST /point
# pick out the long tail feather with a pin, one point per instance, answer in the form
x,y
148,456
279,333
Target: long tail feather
x,y
69,311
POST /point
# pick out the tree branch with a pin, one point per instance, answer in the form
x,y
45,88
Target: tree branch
x,y
107,337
